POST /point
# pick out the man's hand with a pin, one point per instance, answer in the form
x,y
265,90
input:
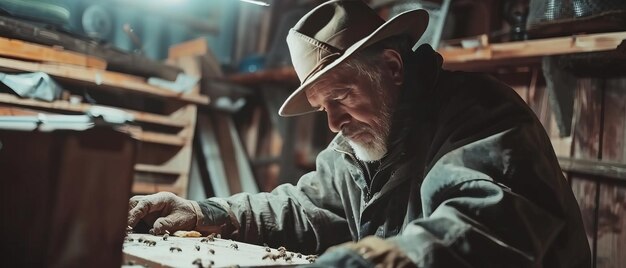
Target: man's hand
x,y
371,251
164,211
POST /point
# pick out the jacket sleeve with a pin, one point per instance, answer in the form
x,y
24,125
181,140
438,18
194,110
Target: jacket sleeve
x,y
497,202
307,217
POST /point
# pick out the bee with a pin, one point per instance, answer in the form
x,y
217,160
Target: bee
x,y
128,239
234,246
204,240
149,242
172,249
299,255
165,236
212,251
211,237
140,239
197,248
267,249
198,262
287,258
311,258
283,249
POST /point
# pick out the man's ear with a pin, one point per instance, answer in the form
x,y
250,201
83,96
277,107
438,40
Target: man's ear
x,y
394,63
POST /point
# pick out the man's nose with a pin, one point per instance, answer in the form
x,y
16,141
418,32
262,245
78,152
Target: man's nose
x,y
336,119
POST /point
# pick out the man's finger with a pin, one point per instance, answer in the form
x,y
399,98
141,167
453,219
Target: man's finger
x,y
165,223
132,202
140,210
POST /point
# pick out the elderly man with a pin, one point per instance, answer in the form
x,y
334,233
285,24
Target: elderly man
x,y
430,168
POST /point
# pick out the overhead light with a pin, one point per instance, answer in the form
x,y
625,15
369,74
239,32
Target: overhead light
x,y
260,3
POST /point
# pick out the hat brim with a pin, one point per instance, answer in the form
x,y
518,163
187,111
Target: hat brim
x,y
413,22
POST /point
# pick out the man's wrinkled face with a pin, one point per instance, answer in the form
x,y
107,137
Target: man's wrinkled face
x,y
359,106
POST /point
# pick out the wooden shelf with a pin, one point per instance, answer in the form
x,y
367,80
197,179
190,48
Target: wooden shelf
x,y
527,52
100,78
83,107
485,58
160,138
152,187
24,50
157,169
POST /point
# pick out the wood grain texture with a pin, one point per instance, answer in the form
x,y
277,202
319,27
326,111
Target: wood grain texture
x,y
25,50
612,207
586,145
101,79
67,107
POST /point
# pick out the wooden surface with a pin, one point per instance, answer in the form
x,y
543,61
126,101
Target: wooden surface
x,y
101,79
586,145
73,189
280,75
24,50
611,235
225,255
594,159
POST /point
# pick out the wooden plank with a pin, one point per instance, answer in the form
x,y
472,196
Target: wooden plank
x,y
612,170
585,192
539,47
586,145
101,79
195,47
158,169
612,207
227,151
160,138
66,106
141,187
13,111
24,50
182,161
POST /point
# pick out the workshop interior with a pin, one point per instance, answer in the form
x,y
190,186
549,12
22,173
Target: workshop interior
x,y
103,100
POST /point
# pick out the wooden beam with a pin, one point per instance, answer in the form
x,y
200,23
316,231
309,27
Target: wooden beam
x,y
594,167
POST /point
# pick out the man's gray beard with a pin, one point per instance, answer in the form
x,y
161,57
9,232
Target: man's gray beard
x,y
369,153
377,148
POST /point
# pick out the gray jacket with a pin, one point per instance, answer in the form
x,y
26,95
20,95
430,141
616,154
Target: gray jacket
x,y
471,180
